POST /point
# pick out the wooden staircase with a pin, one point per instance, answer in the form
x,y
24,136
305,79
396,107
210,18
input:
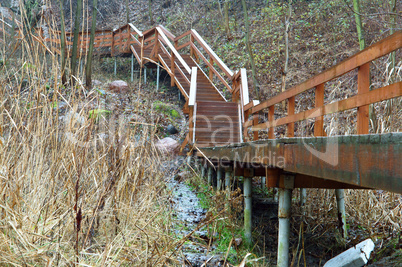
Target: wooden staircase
x,y
193,67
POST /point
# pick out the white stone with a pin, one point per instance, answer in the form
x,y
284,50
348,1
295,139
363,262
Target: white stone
x,y
356,256
168,146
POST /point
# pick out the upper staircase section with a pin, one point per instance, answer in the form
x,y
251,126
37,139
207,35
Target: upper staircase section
x,y
201,76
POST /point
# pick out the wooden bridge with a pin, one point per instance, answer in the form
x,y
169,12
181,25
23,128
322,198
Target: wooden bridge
x,y
224,124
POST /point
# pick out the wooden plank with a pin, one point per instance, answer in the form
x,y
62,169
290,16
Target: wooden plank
x,y
319,102
212,54
165,66
374,96
363,86
369,54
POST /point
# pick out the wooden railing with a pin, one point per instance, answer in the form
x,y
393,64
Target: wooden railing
x,y
361,101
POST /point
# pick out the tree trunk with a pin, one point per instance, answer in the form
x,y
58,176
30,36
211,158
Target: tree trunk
x,y
359,27
151,18
63,45
226,12
127,12
250,52
88,70
285,68
74,52
392,30
362,44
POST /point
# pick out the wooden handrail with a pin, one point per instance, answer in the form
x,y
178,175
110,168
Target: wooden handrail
x,y
212,54
212,68
182,36
361,101
369,54
167,32
371,97
171,47
135,29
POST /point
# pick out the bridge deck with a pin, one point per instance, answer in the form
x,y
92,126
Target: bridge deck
x,y
356,161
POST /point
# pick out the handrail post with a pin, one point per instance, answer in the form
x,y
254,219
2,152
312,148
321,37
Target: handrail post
x,y
191,47
128,38
112,48
142,51
172,65
192,102
291,111
210,72
319,102
271,117
363,86
156,43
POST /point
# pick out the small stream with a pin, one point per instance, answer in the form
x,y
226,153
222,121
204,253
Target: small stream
x,y
188,214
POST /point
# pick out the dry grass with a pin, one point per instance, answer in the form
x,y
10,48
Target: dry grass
x,y
69,192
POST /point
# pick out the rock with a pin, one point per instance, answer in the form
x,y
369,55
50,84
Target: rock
x,y
238,241
118,87
168,146
356,256
97,83
171,129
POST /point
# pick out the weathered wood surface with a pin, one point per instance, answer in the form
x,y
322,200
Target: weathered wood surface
x,y
366,161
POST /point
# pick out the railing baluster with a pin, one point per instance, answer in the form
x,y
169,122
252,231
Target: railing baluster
x,y
271,117
319,102
363,86
210,72
291,111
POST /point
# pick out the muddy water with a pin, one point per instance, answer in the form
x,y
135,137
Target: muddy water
x,y
188,215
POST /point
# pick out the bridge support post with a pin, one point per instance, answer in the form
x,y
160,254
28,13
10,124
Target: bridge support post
x,y
263,182
145,75
340,199
210,175
115,66
285,200
228,175
202,169
303,197
247,209
157,78
132,67
219,179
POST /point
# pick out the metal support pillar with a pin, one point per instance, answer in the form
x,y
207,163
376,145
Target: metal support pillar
x,y
247,209
157,78
115,66
132,67
228,175
263,182
285,200
303,197
210,170
145,75
188,160
219,179
340,200
202,171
